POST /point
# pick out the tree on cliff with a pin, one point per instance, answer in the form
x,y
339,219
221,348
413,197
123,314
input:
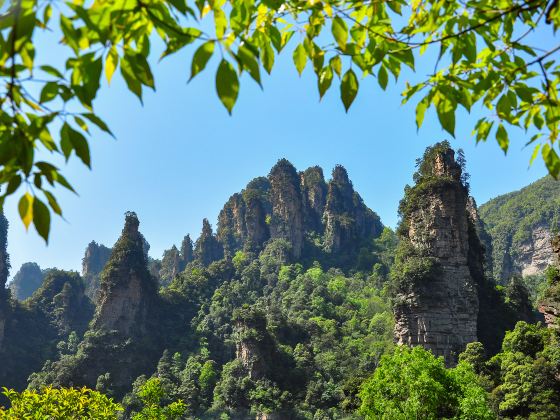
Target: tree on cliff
x,y
482,54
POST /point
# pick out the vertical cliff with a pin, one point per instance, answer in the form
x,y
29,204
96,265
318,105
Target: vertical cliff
x,y
95,258
314,190
287,210
348,221
436,302
232,228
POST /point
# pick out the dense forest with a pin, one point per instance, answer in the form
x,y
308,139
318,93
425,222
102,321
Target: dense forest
x,y
301,305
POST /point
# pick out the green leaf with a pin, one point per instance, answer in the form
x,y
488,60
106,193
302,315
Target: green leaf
x,y
325,80
382,77
445,108
111,63
551,160
340,32
25,208
227,84
41,218
52,71
49,92
141,69
98,122
535,153
201,57
53,203
348,88
300,58
502,138
336,64
249,62
220,22
267,57
421,108
74,140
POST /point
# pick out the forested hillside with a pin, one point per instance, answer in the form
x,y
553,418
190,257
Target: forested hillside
x,y
301,305
521,225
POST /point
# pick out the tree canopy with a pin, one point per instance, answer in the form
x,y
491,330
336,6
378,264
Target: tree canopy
x,y
481,51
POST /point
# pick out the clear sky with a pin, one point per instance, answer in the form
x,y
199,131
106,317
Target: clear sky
x,y
179,157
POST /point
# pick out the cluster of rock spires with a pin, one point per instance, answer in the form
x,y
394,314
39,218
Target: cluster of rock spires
x,y
289,205
439,312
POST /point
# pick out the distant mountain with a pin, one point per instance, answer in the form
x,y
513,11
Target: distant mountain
x,y
27,280
521,226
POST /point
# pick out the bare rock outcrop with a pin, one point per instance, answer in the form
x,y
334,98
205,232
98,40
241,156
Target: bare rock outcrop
x,y
287,209
348,221
436,302
536,253
314,190
127,288
93,262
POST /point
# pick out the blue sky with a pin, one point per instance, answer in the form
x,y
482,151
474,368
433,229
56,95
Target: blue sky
x,y
179,157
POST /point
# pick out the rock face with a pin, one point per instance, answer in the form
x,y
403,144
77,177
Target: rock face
x,y
28,279
95,258
535,254
127,289
347,219
437,311
287,209
314,189
550,304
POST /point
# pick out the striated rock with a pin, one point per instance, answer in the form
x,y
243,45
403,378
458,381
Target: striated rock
x,y
255,220
242,223
535,254
347,219
207,247
436,307
550,304
127,288
95,258
250,329
232,228
287,210
314,190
